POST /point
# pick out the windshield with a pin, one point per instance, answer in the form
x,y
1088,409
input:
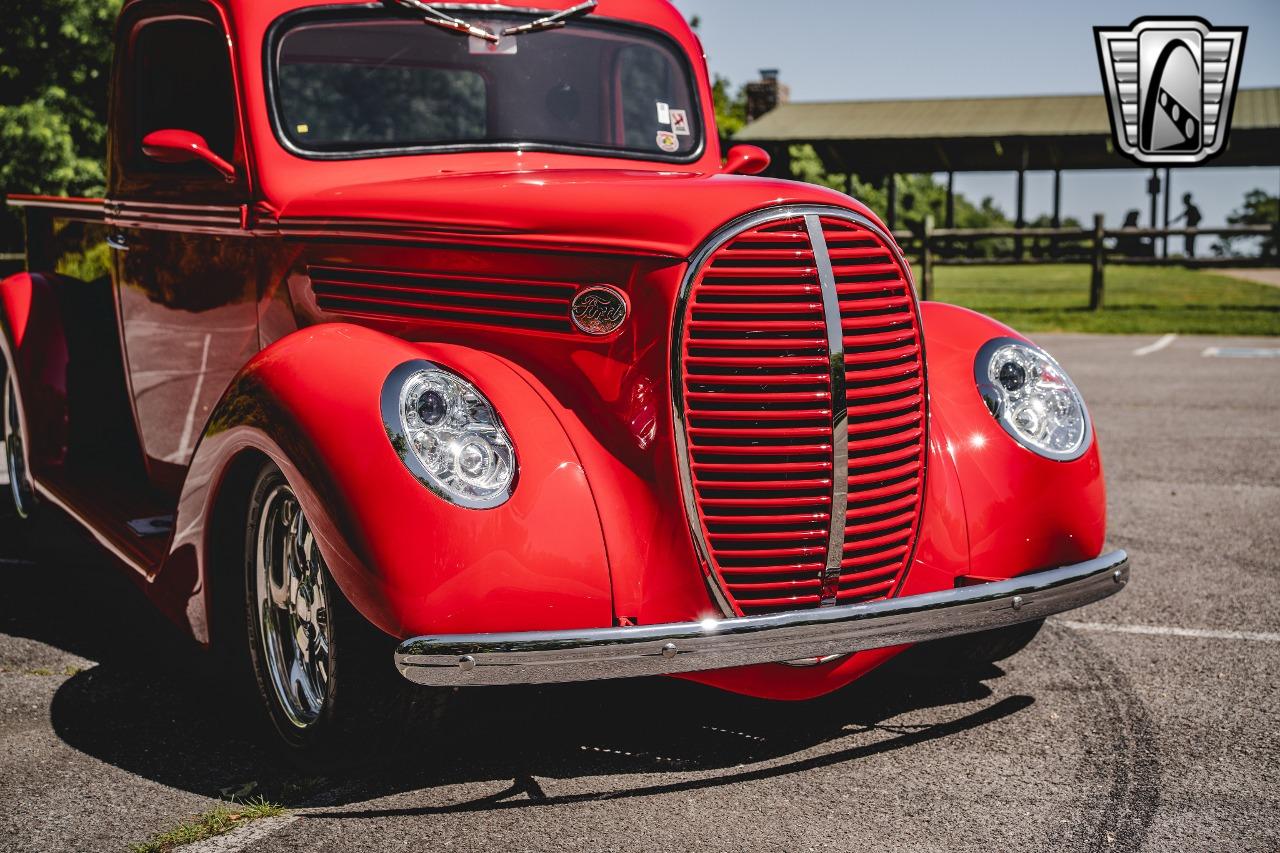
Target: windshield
x,y
381,84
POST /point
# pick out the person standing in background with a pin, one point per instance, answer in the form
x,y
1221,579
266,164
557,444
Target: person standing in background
x,y
1191,214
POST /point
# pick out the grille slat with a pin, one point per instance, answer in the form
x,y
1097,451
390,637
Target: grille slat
x,y
782,466
726,381
727,310
766,502
894,521
755,390
762,275
771,535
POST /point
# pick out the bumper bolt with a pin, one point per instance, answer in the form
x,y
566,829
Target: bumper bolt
x,y
1017,602
466,663
669,650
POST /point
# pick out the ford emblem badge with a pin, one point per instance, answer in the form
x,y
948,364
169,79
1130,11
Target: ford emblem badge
x,y
599,309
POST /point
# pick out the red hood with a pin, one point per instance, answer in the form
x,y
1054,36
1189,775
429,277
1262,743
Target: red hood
x,y
653,213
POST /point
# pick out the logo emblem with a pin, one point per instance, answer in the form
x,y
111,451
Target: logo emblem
x,y
599,309
1171,84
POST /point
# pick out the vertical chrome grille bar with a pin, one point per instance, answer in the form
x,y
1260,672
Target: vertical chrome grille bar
x,y
839,411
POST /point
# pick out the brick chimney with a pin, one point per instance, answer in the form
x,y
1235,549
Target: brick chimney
x,y
765,94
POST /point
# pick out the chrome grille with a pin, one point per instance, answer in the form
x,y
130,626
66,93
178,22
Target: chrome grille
x,y
786,321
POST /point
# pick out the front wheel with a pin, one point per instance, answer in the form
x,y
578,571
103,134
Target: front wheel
x,y
325,675
986,647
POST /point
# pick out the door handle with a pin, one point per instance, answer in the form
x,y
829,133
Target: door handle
x,y
118,242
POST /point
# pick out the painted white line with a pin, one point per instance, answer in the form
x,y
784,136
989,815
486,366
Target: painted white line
x,y
1164,631
1241,352
238,839
188,427
1157,346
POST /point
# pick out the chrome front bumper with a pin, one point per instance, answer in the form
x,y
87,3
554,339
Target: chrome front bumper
x,y
543,657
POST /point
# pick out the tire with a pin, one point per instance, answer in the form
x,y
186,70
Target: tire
x,y
987,647
21,491
325,676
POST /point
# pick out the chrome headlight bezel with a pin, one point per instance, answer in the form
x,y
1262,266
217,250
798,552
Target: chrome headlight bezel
x,y
997,398
401,433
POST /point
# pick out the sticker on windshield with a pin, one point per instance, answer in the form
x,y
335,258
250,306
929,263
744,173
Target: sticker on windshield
x,y
664,113
680,122
505,45
667,141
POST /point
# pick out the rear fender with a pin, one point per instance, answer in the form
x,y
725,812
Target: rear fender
x,y
408,560
34,344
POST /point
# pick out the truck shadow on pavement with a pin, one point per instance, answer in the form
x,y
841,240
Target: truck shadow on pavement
x,y
156,707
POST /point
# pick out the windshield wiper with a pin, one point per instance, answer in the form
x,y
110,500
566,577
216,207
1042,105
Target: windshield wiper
x,y
551,22
433,16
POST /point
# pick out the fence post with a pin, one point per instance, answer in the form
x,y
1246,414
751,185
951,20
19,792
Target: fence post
x,y
1099,250
926,258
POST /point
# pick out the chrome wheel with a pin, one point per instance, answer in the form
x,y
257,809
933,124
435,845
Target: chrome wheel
x,y
15,457
293,613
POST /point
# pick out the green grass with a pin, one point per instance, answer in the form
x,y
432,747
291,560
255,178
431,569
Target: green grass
x,y
1138,300
216,821
68,670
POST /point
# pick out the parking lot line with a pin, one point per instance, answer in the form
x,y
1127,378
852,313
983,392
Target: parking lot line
x,y
1241,352
238,839
1160,344
1166,631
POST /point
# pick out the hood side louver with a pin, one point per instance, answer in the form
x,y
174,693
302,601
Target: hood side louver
x,y
422,297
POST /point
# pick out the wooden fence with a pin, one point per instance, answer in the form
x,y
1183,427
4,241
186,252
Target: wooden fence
x,y
934,247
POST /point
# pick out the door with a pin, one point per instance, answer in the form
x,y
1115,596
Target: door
x,y
183,264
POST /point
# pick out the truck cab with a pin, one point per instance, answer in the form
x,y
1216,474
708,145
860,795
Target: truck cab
x,y
422,346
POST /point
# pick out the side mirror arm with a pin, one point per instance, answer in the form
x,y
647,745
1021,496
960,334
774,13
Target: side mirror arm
x,y
183,146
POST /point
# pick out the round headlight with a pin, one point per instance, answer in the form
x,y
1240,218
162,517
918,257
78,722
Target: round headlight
x,y
448,435
1033,398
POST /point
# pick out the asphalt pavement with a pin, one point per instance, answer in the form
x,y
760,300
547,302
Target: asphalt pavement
x,y
1145,722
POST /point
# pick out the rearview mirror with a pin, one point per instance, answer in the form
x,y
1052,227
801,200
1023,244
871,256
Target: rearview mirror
x,y
746,160
183,146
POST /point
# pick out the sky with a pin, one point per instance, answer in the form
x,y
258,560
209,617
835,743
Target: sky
x,y
854,50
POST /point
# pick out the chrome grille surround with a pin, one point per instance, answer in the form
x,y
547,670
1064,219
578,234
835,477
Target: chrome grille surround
x,y
816,220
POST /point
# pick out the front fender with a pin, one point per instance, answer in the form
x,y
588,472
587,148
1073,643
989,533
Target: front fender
x,y
993,509
408,560
1023,511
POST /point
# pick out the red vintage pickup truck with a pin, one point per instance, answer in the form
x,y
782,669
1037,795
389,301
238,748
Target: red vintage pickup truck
x,y
418,347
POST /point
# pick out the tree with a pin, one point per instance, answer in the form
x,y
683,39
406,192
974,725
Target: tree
x,y
53,99
1259,208
918,196
731,106
730,103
